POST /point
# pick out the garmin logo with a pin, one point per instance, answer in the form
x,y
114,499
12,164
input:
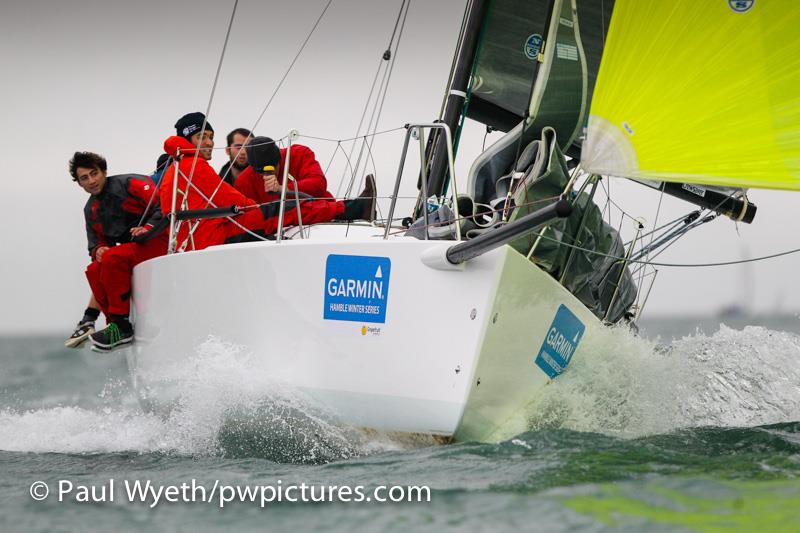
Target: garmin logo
x,y
355,288
560,343
562,346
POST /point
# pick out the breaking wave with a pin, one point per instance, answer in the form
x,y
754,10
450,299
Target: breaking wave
x,y
631,387
627,387
220,410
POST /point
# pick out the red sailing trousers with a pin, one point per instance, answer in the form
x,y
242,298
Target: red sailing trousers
x,y
312,212
110,279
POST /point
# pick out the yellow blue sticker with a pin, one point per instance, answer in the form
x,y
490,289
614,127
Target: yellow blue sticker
x,y
356,288
560,343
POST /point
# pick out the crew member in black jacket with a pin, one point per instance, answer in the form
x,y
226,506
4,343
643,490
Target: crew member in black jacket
x,y
123,228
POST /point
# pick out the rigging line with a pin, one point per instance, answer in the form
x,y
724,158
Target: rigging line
x,y
621,210
676,236
147,207
333,156
701,219
354,172
669,245
349,163
214,86
157,186
374,168
285,74
396,23
155,190
697,221
372,159
361,122
677,229
389,77
667,229
243,208
382,132
387,54
670,224
677,265
289,69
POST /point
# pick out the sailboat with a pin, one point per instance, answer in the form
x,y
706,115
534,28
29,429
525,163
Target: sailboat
x,y
453,326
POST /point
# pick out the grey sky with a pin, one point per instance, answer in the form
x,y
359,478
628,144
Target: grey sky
x,y
113,77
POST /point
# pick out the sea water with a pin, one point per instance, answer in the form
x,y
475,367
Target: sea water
x,y
690,430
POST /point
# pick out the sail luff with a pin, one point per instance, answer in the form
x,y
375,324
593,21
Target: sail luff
x,y
697,92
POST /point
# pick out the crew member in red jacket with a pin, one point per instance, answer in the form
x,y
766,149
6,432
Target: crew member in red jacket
x,y
123,228
262,181
200,187
265,185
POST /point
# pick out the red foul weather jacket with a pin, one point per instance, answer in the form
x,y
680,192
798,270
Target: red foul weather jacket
x,y
303,166
305,169
205,181
126,201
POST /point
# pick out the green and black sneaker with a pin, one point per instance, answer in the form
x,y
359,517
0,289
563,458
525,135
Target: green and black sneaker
x,y
111,337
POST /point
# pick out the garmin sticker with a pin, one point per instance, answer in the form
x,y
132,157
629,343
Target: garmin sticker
x,y
532,46
356,288
560,342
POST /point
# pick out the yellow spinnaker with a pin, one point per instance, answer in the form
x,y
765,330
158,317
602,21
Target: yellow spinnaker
x,y
695,91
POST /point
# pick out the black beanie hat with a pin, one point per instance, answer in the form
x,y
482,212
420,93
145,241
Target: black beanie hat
x,y
190,123
263,152
162,162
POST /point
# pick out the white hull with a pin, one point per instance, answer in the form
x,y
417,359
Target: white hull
x,y
454,356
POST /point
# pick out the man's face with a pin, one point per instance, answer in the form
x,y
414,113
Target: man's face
x,y
91,180
236,151
205,141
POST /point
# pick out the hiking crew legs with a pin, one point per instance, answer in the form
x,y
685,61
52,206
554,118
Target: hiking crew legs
x,y
110,280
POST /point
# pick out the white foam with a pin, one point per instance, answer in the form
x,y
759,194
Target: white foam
x,y
221,409
630,387
627,387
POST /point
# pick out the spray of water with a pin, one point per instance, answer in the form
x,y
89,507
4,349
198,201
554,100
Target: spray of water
x,y
626,387
631,387
221,409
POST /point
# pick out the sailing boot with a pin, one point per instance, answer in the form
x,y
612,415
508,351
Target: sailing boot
x,y
363,207
84,328
118,333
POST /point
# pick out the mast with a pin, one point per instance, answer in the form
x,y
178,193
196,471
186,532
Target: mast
x,y
457,92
